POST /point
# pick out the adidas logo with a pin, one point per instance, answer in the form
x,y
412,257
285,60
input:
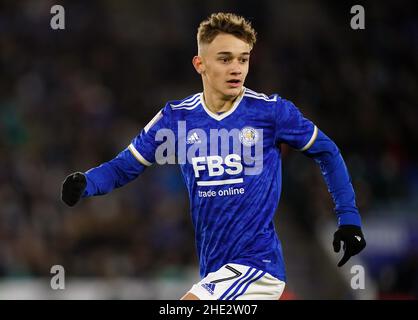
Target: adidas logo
x,y
209,286
194,138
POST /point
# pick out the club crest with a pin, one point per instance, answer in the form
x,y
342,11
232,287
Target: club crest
x,y
248,136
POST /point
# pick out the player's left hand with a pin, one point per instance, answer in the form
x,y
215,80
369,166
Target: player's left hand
x,y
353,240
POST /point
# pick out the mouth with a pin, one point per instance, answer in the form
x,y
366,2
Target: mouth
x,y
234,83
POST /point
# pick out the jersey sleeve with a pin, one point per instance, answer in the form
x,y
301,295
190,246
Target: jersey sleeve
x,y
131,162
144,146
335,173
112,174
292,127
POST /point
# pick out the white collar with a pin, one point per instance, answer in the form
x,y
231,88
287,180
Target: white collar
x,y
221,116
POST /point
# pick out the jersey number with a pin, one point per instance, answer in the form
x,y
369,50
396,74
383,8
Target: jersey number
x,y
236,275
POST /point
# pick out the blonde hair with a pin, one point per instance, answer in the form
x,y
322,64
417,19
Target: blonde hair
x,y
225,23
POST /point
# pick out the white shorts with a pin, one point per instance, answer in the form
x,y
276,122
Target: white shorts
x,y
238,282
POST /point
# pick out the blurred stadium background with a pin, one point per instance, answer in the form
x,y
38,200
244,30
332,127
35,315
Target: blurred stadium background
x,y
74,98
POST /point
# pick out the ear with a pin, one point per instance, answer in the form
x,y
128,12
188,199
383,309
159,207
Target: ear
x,y
198,64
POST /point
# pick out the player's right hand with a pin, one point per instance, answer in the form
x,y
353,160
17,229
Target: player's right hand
x,y
73,187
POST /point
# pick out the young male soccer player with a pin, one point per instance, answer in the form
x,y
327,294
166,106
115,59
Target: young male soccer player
x,y
234,190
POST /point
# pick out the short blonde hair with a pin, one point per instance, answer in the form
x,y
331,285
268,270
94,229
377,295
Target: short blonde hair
x,y
225,23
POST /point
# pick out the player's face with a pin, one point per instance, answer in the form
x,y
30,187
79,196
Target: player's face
x,y
224,65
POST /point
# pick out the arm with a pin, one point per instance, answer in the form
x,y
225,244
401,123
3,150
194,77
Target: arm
x,y
335,173
102,179
128,165
302,134
113,174
327,155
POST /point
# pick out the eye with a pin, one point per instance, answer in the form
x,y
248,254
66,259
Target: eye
x,y
244,60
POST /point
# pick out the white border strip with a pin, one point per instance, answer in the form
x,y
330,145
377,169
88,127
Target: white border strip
x,y
261,97
154,120
219,182
188,102
187,108
138,156
311,141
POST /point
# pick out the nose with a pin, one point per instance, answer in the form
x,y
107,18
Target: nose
x,y
235,68
236,72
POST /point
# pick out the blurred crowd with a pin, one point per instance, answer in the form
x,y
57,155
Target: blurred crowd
x,y
72,99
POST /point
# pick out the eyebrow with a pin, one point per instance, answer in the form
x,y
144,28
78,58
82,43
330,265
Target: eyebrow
x,y
230,53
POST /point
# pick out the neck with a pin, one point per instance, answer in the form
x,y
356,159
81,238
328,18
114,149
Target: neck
x,y
217,102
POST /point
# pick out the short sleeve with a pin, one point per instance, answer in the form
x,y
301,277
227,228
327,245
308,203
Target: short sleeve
x,y
143,147
292,127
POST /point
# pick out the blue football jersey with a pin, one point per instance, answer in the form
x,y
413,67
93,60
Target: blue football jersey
x,y
231,164
234,187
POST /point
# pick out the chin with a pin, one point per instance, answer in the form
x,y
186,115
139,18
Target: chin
x,y
233,92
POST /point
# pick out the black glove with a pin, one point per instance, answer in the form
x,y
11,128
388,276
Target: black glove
x,y
353,240
73,187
